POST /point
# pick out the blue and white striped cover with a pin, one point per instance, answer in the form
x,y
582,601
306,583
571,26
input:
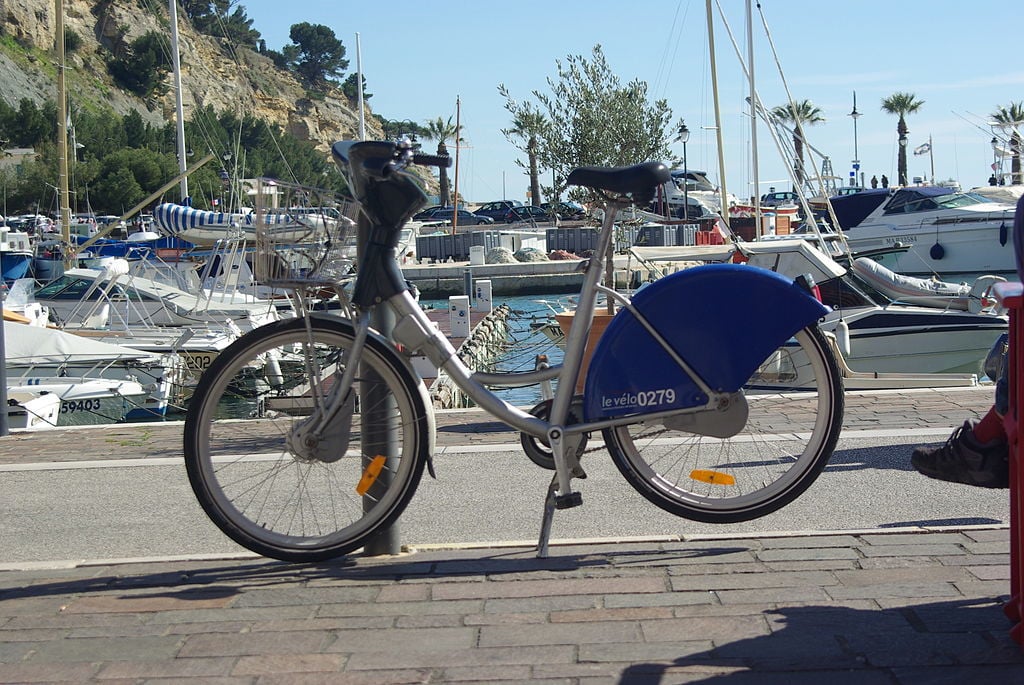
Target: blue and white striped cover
x,y
174,219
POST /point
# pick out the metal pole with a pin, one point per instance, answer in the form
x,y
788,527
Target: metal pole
x,y
379,435
62,142
5,428
718,115
179,108
686,185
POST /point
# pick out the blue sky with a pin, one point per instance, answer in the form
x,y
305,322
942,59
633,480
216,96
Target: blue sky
x,y
962,59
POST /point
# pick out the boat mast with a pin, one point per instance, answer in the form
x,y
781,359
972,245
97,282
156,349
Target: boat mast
x,y
359,88
753,121
62,140
458,138
718,117
179,107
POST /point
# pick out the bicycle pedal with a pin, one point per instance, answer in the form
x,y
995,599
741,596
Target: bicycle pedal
x,y
573,499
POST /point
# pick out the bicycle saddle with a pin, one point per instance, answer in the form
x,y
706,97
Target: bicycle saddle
x,y
636,180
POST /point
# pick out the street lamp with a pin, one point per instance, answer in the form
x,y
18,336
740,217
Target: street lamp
x,y
855,115
684,135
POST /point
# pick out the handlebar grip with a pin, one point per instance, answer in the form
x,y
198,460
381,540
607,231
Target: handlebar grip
x,y
444,161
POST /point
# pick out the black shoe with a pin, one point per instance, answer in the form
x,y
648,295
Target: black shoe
x,y
962,459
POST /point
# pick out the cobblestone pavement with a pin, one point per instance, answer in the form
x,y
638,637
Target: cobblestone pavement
x,y
920,607
923,606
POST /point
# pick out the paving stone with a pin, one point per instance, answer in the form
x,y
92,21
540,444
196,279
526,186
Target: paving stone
x,y
108,649
409,639
217,644
288,663
479,656
198,668
559,634
541,588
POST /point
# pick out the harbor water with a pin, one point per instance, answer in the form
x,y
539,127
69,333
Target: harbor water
x,y
529,314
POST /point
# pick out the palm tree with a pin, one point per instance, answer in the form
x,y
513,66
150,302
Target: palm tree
x,y
803,113
902,104
528,125
441,131
1011,118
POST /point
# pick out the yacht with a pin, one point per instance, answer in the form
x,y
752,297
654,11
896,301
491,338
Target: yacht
x,y
945,231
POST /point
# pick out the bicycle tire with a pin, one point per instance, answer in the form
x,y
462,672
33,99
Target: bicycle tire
x,y
795,404
288,502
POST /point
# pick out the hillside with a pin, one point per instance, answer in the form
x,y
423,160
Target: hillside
x,y
227,78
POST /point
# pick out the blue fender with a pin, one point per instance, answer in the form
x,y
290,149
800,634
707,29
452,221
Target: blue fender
x,y
723,319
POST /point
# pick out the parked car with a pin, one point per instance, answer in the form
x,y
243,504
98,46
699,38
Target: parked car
x,y
526,213
466,217
497,209
565,210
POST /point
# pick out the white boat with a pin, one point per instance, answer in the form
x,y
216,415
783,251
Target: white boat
x,y
884,343
16,253
115,298
208,228
946,232
31,411
95,382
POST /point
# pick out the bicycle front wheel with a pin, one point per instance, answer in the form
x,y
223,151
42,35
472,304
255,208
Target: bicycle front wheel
x,y
287,470
795,413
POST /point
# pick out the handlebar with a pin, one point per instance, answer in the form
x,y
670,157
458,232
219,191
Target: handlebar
x,y
442,161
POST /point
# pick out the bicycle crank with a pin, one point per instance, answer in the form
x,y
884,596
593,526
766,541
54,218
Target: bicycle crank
x,y
539,451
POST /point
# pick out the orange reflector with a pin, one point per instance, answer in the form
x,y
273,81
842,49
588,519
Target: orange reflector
x,y
713,477
373,470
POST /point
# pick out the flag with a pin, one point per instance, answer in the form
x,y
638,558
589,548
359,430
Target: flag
x,y
923,149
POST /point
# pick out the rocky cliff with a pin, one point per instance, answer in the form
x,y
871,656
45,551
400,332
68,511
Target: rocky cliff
x,y
215,74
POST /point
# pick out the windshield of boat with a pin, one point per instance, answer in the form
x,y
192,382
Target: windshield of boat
x,y
850,291
915,203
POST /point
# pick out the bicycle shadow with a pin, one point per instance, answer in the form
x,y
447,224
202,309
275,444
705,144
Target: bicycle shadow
x,y
203,581
914,643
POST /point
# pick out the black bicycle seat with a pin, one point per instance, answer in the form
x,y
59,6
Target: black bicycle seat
x,y
639,179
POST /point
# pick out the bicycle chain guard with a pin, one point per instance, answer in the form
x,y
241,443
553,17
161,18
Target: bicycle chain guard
x,y
539,452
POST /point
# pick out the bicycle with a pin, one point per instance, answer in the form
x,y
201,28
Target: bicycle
x,y
308,436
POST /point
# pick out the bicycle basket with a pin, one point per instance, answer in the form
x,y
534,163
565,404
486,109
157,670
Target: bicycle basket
x,y
305,237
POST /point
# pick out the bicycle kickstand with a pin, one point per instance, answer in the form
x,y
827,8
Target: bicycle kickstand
x,y
546,520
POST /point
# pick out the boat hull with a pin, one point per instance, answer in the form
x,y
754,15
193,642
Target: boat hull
x,y
917,340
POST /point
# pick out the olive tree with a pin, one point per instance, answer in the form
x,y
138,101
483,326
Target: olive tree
x,y
593,119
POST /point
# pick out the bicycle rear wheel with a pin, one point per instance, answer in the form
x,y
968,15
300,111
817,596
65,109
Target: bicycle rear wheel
x,y
795,413
271,483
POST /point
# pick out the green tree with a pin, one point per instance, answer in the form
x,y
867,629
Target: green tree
x,y
128,175
316,54
144,66
442,131
1010,119
595,120
34,124
351,90
799,114
223,19
397,128
902,104
528,125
